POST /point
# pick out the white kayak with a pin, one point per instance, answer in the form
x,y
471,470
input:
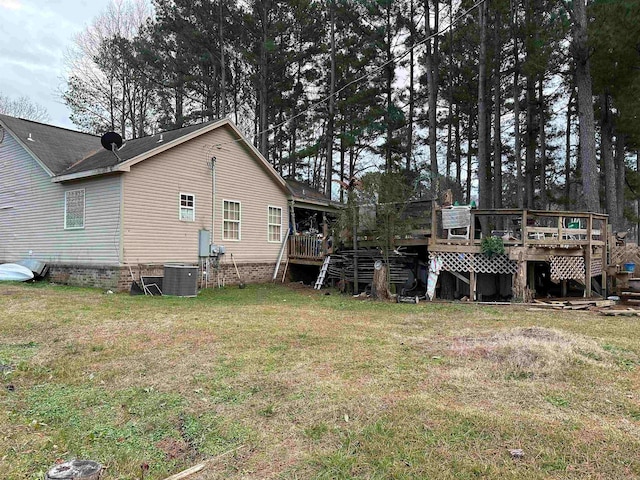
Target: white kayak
x,y
12,272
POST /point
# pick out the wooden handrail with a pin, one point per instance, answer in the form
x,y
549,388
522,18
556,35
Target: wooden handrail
x,y
307,247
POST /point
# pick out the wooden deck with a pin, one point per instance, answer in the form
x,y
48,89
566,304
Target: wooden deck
x,y
306,249
574,242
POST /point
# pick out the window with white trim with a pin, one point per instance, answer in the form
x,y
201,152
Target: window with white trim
x,y
187,207
231,220
274,224
74,209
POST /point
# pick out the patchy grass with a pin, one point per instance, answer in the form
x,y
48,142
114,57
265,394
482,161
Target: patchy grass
x,y
313,386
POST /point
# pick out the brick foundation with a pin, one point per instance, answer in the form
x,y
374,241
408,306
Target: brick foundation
x,y
118,278
85,275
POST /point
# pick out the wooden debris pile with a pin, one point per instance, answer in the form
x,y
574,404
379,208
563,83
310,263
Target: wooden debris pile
x,y
573,304
342,265
610,308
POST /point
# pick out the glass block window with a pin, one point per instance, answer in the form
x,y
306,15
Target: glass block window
x,y
231,220
274,224
74,209
187,207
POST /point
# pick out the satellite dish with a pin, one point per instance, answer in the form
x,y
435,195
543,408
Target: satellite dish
x,y
109,139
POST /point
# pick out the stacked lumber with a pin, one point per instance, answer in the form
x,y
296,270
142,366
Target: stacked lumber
x,y
342,265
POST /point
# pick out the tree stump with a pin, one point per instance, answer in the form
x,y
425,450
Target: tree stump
x,y
75,470
379,288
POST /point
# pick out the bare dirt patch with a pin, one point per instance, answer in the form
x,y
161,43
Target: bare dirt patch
x,y
532,351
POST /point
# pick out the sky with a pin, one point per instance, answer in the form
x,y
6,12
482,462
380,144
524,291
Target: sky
x,y
34,36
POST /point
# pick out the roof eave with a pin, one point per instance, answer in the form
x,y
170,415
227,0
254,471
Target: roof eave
x,y
89,173
315,204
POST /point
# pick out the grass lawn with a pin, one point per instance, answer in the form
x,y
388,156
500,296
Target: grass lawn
x,y
294,384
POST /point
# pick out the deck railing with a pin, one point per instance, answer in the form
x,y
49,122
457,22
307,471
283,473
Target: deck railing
x,y
306,247
540,228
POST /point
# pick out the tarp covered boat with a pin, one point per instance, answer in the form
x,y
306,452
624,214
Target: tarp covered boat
x,y
12,272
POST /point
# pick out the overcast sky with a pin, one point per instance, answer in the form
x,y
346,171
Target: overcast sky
x,y
34,35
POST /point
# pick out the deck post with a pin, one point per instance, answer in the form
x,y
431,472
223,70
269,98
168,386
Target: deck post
x,y
434,227
472,285
325,234
604,226
519,285
523,227
355,242
560,224
531,276
587,258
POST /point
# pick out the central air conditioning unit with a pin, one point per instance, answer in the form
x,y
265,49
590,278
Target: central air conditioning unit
x,y
180,280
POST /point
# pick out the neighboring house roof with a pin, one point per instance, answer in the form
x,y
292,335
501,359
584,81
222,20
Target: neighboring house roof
x,y
303,193
55,148
68,155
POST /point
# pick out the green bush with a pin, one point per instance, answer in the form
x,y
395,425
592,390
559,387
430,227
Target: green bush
x,y
492,246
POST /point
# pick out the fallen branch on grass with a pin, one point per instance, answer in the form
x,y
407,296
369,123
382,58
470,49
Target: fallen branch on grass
x,y
196,468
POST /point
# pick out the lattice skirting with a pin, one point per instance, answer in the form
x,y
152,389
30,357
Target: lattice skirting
x,y
596,267
473,262
567,268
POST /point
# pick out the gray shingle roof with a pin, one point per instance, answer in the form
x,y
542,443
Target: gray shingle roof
x,y
57,148
66,152
131,149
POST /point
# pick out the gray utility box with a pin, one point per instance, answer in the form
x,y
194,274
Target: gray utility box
x,y
180,280
204,240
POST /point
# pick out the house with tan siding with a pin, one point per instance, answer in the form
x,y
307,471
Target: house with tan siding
x,y
94,214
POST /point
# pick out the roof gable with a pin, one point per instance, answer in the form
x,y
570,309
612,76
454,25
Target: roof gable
x,y
131,149
55,148
141,149
68,155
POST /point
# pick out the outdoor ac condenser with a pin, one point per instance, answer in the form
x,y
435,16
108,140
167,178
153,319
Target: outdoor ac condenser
x,y
180,280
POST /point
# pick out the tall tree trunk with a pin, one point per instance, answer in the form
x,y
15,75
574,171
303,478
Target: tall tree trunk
x,y
389,69
580,47
469,158
621,172
531,143
458,148
484,194
517,141
223,68
262,81
567,157
497,125
293,157
607,160
236,102
543,145
342,158
332,101
431,60
412,34
450,147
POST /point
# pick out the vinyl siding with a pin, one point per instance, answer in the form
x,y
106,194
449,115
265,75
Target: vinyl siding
x,y
32,214
153,232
